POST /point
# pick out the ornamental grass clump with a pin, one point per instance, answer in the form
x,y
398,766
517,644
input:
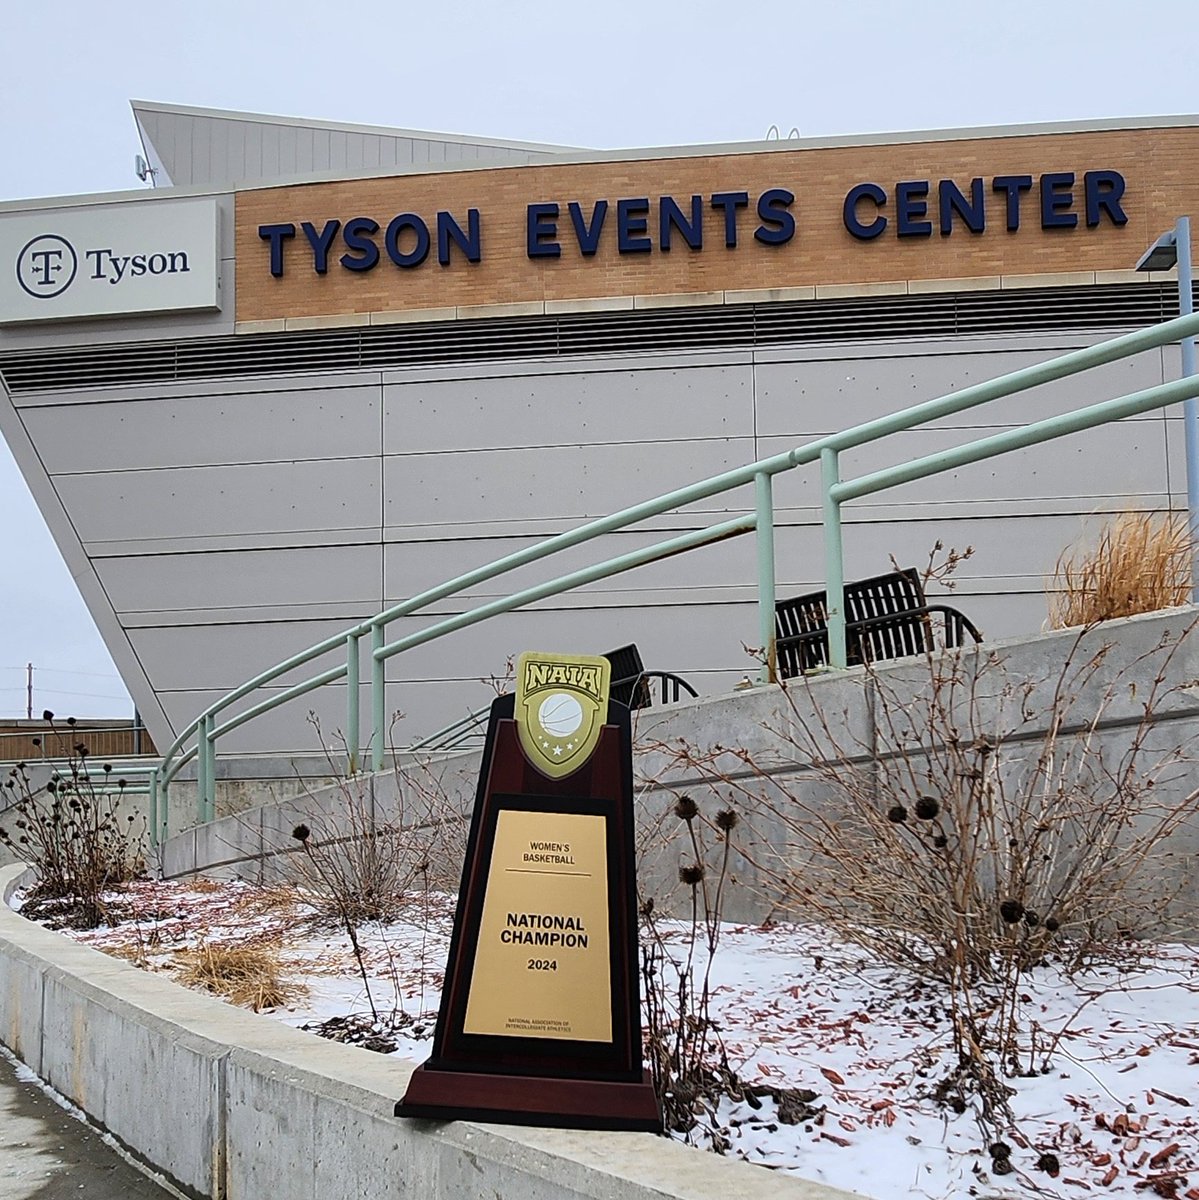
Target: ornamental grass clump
x,y
76,831
1141,563
248,976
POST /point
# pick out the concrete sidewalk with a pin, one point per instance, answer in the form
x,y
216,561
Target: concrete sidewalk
x,y
46,1154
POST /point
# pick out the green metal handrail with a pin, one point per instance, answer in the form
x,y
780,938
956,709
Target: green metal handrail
x,y
205,729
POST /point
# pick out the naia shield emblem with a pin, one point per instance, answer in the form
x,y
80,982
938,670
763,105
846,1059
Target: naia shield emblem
x,y
561,706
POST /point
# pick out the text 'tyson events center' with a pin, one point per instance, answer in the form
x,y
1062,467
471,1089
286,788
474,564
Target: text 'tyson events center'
x,y
320,368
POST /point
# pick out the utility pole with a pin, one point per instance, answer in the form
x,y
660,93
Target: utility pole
x,y
29,691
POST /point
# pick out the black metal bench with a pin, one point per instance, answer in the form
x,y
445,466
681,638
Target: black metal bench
x,y
886,616
632,684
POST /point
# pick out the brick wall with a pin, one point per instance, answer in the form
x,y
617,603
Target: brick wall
x,y
1160,166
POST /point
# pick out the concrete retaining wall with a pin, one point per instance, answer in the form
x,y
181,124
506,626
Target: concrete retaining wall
x,y
235,1106
759,746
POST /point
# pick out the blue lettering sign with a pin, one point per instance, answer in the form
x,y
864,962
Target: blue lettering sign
x,y
911,202
588,235
358,235
320,243
632,218
1055,201
849,211
778,225
470,242
541,223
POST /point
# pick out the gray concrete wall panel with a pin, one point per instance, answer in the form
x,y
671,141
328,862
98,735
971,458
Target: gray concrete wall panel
x,y
798,397
222,656
202,501
344,576
588,407
582,482
1132,454
412,567
251,427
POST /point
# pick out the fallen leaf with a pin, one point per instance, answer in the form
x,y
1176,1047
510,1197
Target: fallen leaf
x,y
831,1075
1163,1154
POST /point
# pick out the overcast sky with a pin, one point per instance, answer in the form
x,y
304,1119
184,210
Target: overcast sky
x,y
610,75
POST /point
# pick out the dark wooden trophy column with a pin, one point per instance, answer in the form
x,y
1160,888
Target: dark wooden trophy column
x,y
540,1020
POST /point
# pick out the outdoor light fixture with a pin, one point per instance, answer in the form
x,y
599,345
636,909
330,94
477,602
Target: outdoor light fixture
x,y
1173,247
1162,255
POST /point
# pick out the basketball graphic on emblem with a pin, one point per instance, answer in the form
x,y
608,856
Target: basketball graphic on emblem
x,y
560,714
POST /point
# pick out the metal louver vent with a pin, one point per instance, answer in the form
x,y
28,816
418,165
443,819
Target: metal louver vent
x,y
670,329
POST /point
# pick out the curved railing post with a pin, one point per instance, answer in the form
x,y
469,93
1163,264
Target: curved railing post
x,y
834,562
210,754
153,814
202,770
378,696
353,738
764,504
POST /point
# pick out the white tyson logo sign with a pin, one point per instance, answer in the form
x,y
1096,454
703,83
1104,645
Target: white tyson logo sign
x,y
110,260
48,265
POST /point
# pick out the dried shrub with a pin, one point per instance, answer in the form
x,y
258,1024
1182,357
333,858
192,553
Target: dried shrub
x,y
683,1048
984,821
354,869
248,976
1141,563
74,833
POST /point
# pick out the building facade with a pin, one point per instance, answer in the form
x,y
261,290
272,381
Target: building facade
x,y
319,369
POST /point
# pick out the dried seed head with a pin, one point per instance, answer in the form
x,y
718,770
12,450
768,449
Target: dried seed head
x,y
897,815
726,819
999,1150
647,906
940,841
1031,919
301,833
1011,911
1052,924
691,874
1049,1164
927,808
71,722
685,808
47,715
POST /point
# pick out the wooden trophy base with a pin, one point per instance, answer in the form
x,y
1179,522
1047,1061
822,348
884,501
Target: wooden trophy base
x,y
524,1100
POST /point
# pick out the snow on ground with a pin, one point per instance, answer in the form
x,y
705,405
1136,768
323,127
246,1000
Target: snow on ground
x,y
1111,1090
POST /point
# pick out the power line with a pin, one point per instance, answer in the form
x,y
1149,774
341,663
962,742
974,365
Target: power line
x,y
63,671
